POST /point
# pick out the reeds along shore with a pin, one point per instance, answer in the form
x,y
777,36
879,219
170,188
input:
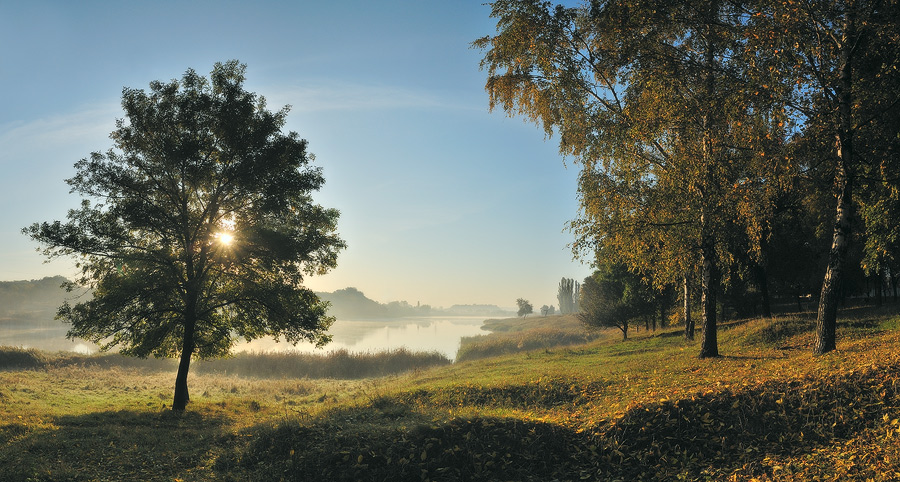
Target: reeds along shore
x,y
339,364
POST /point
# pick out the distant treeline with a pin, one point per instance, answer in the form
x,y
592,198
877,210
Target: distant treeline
x,y
350,303
18,297
36,302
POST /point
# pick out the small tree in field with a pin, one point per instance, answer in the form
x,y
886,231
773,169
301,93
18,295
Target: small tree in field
x,y
197,228
525,307
613,297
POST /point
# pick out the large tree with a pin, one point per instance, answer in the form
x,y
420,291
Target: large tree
x,y
652,98
841,59
197,228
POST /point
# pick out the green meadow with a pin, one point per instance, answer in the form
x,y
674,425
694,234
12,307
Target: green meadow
x,y
600,409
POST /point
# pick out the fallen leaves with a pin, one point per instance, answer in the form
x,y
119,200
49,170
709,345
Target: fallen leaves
x,y
766,430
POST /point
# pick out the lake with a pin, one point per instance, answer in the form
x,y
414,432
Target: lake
x,y
432,333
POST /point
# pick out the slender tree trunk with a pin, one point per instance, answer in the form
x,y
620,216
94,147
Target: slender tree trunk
x,y
662,313
762,282
181,388
879,286
894,280
688,322
709,345
826,321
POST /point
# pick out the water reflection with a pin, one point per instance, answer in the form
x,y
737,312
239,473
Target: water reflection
x,y
436,333
46,336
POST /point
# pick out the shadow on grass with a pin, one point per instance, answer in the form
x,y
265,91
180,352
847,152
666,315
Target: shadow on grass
x,y
708,436
116,445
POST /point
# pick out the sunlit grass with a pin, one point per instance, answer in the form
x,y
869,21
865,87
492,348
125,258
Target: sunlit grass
x,y
517,335
603,410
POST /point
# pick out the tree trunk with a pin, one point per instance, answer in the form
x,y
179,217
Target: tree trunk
x,y
662,314
709,345
181,388
688,322
894,280
826,321
762,282
879,285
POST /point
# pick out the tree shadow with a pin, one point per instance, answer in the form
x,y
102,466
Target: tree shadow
x,y
111,445
708,436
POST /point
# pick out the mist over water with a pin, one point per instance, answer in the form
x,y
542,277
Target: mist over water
x,y
46,336
432,333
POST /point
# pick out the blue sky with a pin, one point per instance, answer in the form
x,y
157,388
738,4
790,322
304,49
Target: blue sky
x,y
441,201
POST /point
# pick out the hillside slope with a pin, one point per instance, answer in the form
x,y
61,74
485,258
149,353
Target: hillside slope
x,y
645,409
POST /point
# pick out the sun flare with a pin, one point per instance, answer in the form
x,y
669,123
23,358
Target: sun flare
x,y
225,238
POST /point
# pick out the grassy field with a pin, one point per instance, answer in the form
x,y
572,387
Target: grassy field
x,y
645,409
516,335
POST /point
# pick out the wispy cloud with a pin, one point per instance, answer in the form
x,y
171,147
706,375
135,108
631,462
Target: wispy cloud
x,y
344,96
58,134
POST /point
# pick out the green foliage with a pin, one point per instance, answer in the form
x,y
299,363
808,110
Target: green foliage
x,y
569,296
614,297
198,227
525,307
838,61
681,158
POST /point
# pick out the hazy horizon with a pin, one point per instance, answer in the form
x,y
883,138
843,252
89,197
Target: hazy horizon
x,y
441,202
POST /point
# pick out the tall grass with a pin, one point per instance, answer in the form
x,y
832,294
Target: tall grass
x,y
515,335
339,364
496,344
